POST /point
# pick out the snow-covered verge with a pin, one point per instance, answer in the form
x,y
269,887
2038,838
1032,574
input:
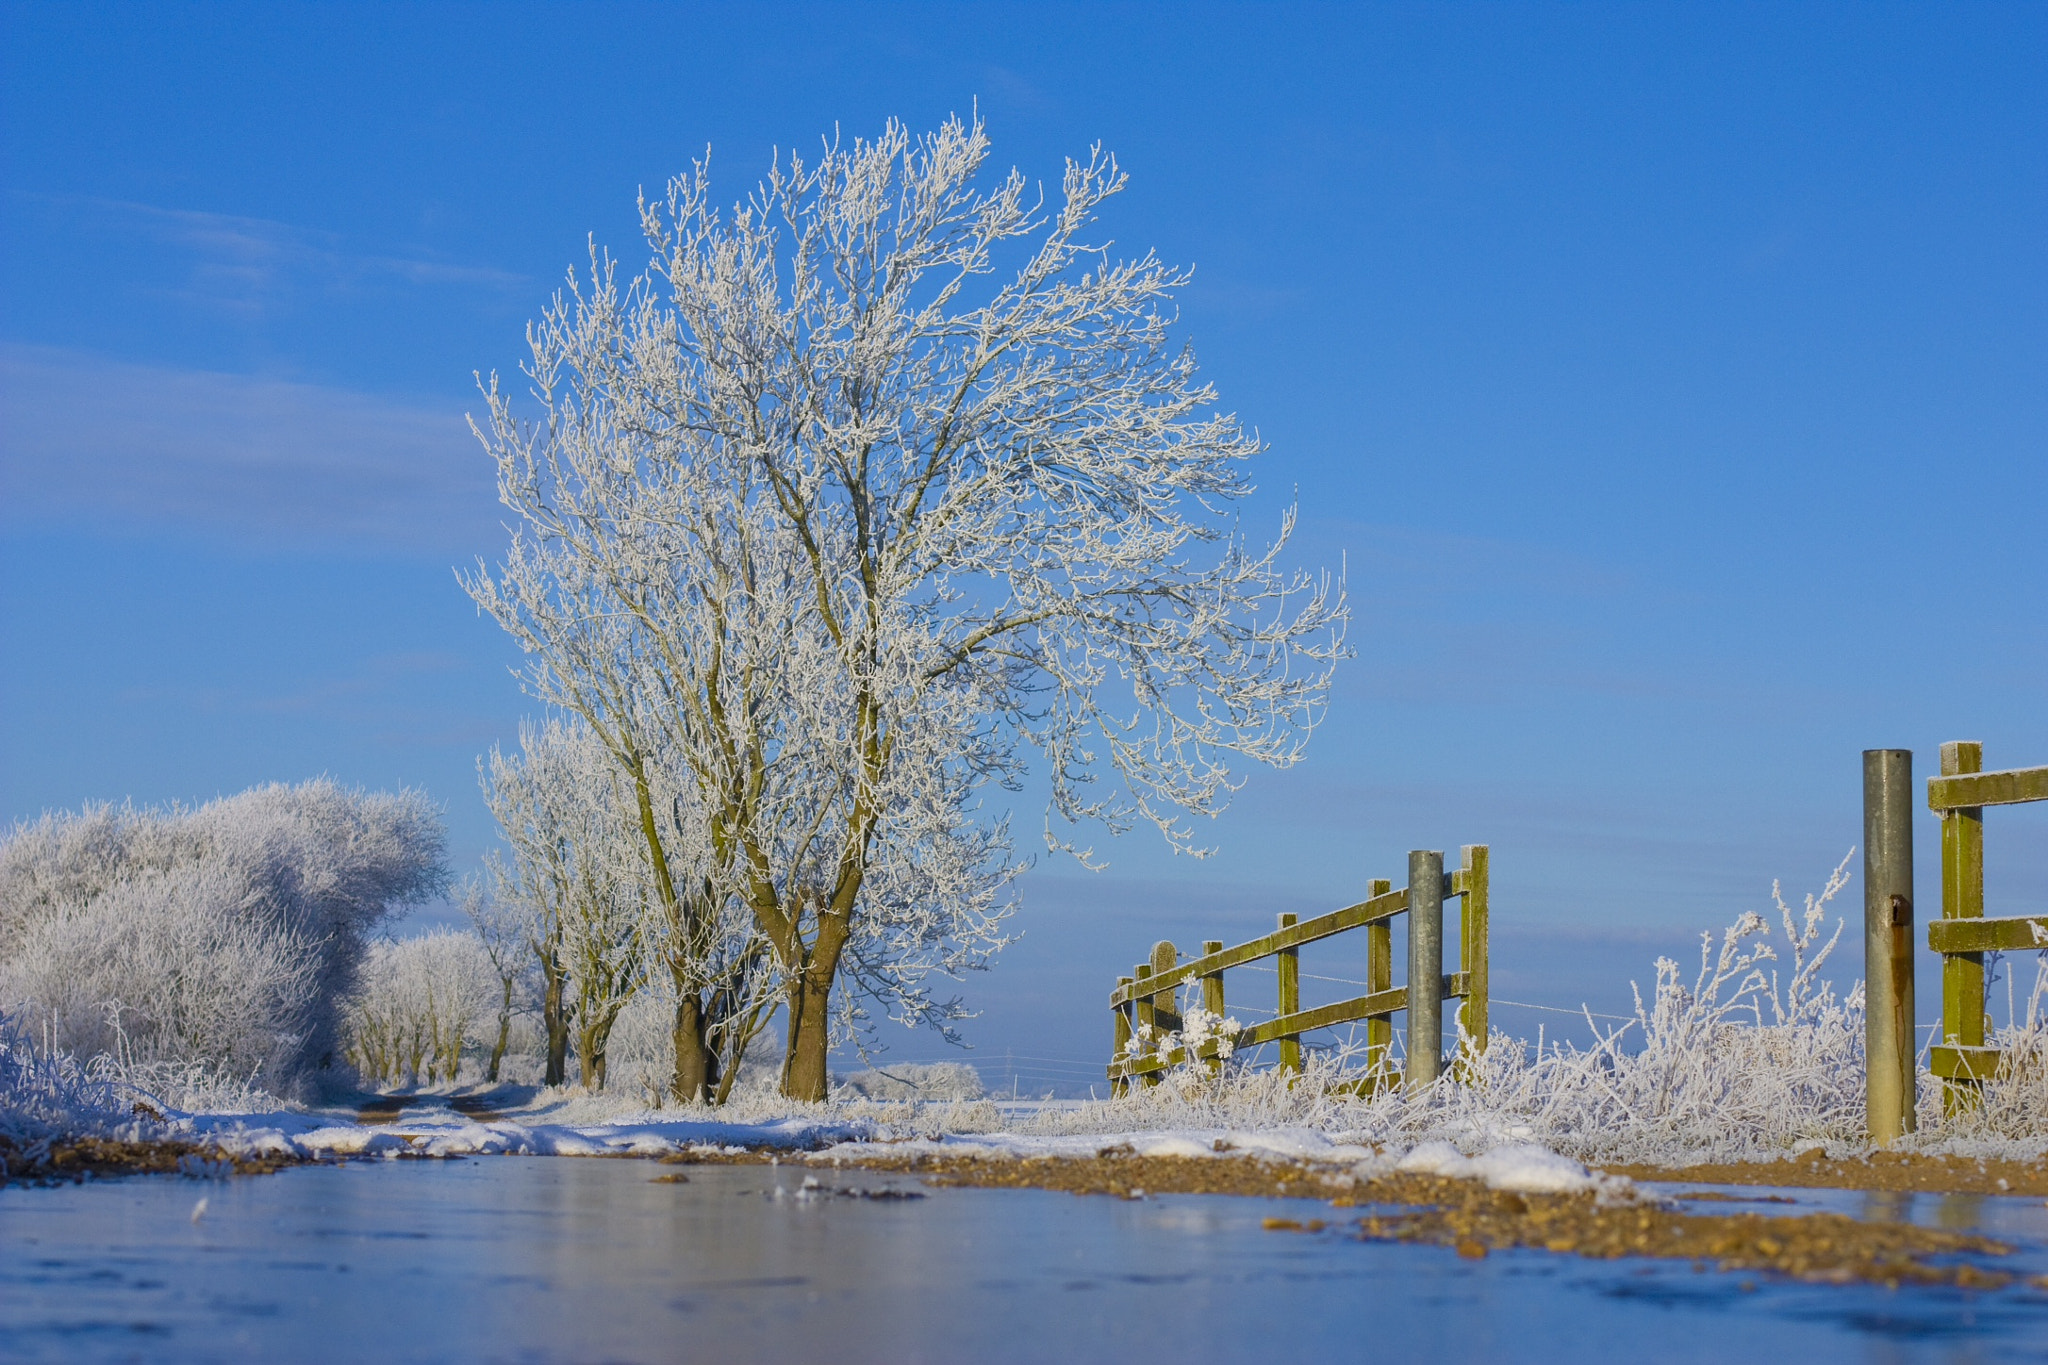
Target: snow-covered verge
x,y
830,1135
1739,1064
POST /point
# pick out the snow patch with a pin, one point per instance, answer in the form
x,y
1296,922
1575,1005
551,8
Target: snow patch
x,y
1522,1167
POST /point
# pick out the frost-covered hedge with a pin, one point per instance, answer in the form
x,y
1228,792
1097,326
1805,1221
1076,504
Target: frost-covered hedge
x,y
227,935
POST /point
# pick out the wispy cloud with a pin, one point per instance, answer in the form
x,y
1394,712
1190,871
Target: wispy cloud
x,y
90,442
245,265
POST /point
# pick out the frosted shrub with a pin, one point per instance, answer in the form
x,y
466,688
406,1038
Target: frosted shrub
x,y
1753,1056
950,1081
640,1056
420,1002
44,1096
225,935
2010,1113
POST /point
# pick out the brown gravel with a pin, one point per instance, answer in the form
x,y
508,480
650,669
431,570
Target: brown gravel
x,y
1475,1220
1881,1171
71,1161
1825,1247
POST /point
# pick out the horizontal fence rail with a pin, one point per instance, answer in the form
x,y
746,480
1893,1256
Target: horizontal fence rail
x,y
1149,1025
1963,934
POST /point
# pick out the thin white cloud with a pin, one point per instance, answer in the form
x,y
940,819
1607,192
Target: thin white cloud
x,y
245,264
110,446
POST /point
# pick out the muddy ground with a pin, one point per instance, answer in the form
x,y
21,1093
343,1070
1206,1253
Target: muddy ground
x,y
1475,1220
80,1159
1880,1171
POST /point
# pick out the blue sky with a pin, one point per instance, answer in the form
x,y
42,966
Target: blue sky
x,y
1673,381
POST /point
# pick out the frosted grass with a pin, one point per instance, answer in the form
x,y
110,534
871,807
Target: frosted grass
x,y
1751,1056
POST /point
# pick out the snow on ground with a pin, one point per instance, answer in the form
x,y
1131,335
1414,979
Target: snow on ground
x,y
442,1132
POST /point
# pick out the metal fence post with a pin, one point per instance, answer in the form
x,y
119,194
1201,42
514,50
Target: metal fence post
x,y
1425,967
1888,1052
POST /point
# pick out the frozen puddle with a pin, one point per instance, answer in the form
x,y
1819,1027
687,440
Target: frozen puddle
x,y
498,1258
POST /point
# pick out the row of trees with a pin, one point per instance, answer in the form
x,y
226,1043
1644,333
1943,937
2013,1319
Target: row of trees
x,y
419,1002
846,507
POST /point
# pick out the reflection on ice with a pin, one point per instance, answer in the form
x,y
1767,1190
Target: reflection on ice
x,y
510,1258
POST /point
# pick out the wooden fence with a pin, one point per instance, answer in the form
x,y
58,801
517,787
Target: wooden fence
x,y
1146,1009
1963,935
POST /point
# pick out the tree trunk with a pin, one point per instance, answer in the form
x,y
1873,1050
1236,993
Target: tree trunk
x,y
696,1066
590,1041
504,1034
553,1013
805,1075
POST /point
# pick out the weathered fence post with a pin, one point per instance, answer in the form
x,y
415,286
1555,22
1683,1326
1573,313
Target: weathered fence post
x,y
1472,936
1888,1052
1287,962
1379,977
1152,1028
1123,1039
1962,897
1964,934
1425,967
1165,1004
1212,996
1145,1017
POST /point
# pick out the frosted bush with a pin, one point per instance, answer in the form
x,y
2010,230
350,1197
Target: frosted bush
x,y
2009,1116
1754,1057
1198,1028
184,1087
421,1001
44,1096
640,1056
945,1081
226,934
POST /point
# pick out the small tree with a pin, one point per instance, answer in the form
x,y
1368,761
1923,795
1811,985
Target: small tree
x,y
852,500
598,893
535,883
501,929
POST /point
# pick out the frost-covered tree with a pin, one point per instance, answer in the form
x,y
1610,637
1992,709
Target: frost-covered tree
x,y
228,934
852,501
533,807
597,902
420,1001
501,929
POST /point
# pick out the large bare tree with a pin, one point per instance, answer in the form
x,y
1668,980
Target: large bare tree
x,y
852,502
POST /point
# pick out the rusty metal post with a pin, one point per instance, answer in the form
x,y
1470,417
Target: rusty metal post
x,y
1888,1052
1425,967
